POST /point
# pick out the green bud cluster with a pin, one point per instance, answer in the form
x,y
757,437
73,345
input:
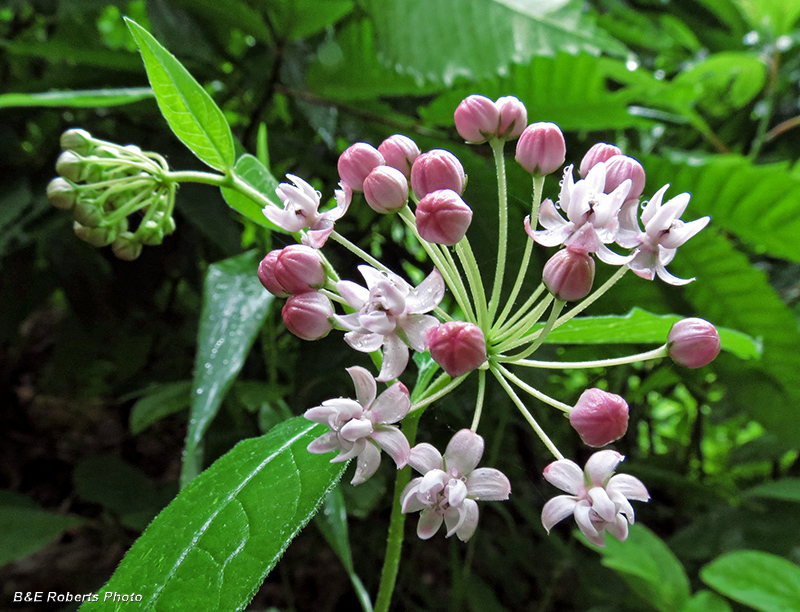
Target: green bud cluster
x,y
107,186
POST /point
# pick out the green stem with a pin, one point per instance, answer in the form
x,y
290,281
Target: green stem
x,y
558,305
518,333
658,353
533,391
467,259
358,251
593,297
503,330
479,402
502,242
394,543
190,176
429,399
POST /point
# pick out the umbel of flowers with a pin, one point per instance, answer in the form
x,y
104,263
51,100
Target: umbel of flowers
x,y
598,215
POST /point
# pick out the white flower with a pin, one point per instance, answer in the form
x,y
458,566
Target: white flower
x,y
360,428
598,500
389,315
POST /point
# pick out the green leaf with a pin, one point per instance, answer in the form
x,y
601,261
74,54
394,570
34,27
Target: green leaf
x,y
213,545
87,98
776,16
640,326
757,579
758,203
25,528
235,305
158,402
576,97
257,176
191,113
121,488
443,40
787,489
231,15
707,601
648,566
58,52
298,19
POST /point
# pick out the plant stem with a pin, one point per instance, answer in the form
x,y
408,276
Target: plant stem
x,y
593,297
657,353
394,540
479,402
542,397
439,394
515,335
467,258
502,330
502,242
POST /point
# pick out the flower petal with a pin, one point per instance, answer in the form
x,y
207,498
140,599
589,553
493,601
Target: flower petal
x,y
467,521
326,443
601,504
317,237
654,205
395,358
463,453
409,502
433,482
424,458
566,475
427,295
664,217
488,484
364,342
355,429
353,293
618,528
582,518
629,486
368,462
357,448
392,405
364,384
414,327
681,232
455,492
429,523
350,321
601,466
394,443
667,277
378,322
557,509
285,219
549,218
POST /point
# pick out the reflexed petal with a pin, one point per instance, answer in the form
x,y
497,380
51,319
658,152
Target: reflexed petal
x,y
549,217
652,207
582,518
364,384
424,458
463,453
601,504
392,405
628,486
611,258
378,322
567,183
433,482
643,263
429,523
663,218
667,277
346,408
343,198
566,475
409,502
318,236
557,509
488,484
321,414
414,327
601,466
394,443
357,448
366,343
353,293
355,429
618,528
285,219
367,464
623,505
681,232
326,443
303,186
349,321
584,239
469,520
551,238
395,358
455,492
427,295
628,234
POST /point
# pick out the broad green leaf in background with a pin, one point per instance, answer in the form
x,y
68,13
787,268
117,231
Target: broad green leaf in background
x,y
777,17
58,52
191,113
443,40
706,601
649,567
231,15
87,98
787,489
25,528
298,19
756,579
258,176
213,545
640,326
158,402
235,305
576,95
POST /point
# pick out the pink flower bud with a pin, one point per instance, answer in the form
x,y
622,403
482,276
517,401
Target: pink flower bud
x,y
541,148
599,152
621,167
386,189
513,117
569,274
357,162
599,417
399,152
266,274
457,346
308,315
437,169
477,119
443,217
299,268
693,343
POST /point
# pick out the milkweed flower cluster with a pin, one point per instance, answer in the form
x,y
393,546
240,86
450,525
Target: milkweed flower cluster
x,y
597,215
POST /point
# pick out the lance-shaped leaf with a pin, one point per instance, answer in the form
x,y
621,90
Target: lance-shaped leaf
x,y
211,548
257,176
191,113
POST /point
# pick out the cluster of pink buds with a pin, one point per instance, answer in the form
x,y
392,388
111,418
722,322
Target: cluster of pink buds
x,y
389,317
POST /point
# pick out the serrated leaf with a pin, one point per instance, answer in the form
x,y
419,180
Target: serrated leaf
x,y
213,545
576,97
86,98
640,326
158,402
756,579
25,528
787,489
190,112
647,564
443,40
257,176
235,305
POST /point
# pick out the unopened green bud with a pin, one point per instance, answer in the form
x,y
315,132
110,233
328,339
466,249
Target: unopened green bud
x,y
70,166
126,247
96,236
88,213
168,225
150,233
77,140
61,193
